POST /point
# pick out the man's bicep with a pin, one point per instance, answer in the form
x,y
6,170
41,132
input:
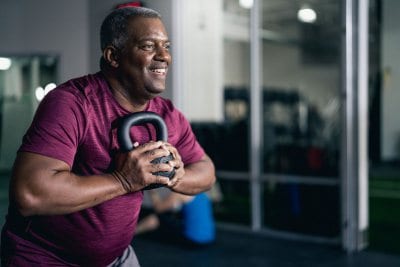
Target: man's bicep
x,y
31,177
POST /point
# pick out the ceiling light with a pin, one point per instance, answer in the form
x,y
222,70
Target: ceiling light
x,y
39,93
49,87
307,15
5,63
246,3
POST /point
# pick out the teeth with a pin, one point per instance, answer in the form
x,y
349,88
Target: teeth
x,y
161,71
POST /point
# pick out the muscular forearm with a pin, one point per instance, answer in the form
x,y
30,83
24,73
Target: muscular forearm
x,y
36,190
43,185
199,177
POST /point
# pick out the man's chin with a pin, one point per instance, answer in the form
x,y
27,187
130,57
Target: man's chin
x,y
155,92
156,89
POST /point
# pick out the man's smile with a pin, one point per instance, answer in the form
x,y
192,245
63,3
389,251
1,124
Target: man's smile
x,y
159,71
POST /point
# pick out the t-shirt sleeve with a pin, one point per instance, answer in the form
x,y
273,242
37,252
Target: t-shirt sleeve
x,y
57,127
187,144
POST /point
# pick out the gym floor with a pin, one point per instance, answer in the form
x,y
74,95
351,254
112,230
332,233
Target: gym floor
x,y
246,249
233,248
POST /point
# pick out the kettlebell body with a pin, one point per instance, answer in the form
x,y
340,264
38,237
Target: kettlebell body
x,y
140,118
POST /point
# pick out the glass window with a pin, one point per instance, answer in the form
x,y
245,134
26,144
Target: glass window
x,y
301,81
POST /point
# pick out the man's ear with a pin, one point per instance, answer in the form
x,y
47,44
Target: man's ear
x,y
110,55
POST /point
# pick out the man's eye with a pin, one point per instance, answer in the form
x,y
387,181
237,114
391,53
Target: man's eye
x,y
147,47
167,46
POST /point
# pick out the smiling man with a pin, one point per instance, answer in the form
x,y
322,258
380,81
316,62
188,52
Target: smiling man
x,y
74,198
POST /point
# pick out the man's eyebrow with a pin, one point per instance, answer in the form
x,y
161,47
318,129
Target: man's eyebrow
x,y
152,39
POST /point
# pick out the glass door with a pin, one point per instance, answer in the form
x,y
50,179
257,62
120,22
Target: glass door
x,y
301,85
271,88
384,149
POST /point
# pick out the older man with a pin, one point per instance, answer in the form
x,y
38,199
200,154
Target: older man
x,y
74,199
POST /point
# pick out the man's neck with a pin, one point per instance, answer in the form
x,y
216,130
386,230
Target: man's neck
x,y
122,97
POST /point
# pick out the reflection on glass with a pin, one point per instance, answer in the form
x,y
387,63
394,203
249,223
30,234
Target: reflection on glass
x,y
234,206
236,85
301,116
384,138
301,85
306,209
300,96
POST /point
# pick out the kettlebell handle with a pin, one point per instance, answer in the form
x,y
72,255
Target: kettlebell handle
x,y
138,118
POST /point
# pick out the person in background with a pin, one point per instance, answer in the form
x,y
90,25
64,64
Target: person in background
x,y
74,197
179,218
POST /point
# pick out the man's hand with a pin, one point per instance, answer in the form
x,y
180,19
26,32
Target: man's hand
x,y
134,169
176,163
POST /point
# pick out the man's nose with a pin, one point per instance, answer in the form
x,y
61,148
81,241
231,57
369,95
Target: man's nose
x,y
163,54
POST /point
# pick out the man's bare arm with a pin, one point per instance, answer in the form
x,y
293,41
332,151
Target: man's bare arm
x,y
42,185
195,178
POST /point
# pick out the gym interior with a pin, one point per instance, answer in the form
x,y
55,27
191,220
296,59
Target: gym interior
x,y
294,100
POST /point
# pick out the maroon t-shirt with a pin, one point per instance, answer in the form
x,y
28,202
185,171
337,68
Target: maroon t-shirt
x,y
77,123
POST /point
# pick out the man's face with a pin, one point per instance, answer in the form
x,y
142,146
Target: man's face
x,y
144,61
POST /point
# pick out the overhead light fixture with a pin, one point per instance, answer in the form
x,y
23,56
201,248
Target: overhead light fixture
x,y
5,63
246,3
307,15
41,92
49,87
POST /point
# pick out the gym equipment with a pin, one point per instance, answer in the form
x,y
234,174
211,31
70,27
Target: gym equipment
x,y
140,118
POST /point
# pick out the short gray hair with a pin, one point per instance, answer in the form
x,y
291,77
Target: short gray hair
x,y
114,30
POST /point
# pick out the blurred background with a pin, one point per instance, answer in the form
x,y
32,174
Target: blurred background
x,y
294,100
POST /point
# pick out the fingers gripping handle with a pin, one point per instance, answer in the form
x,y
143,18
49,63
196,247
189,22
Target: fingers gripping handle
x,y
126,144
138,118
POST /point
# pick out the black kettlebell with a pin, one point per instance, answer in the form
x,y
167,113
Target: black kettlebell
x,y
126,144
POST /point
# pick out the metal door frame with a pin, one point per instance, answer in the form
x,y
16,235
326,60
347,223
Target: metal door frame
x,y
354,150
